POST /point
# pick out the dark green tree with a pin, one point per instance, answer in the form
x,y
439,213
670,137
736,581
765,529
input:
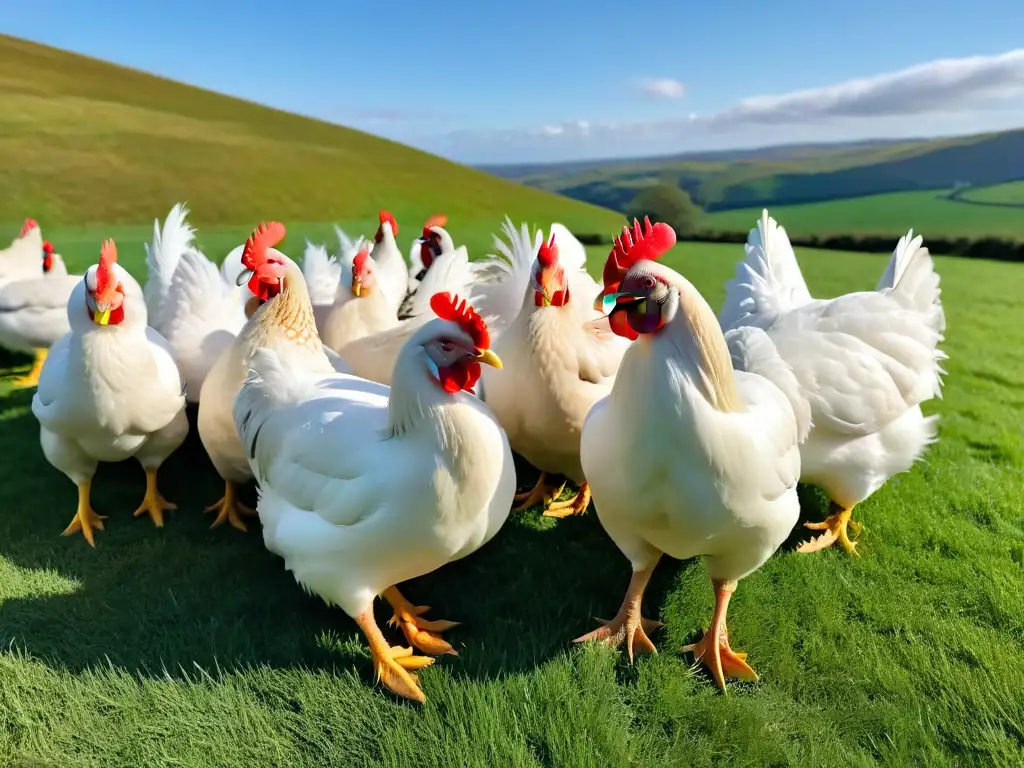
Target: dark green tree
x,y
668,203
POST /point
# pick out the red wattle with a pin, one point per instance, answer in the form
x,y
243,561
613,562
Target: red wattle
x,y
620,325
459,376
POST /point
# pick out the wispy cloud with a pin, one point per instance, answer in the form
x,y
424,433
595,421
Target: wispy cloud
x,y
663,88
951,88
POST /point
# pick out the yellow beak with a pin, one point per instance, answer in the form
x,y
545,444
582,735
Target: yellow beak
x,y
102,317
488,357
357,288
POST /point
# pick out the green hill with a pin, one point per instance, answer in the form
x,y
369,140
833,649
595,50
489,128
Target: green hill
x,y
88,142
791,175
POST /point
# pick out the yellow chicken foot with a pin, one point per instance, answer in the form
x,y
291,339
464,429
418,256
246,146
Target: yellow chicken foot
x,y
230,509
713,649
834,527
421,633
541,493
85,519
392,665
31,379
153,502
628,624
577,505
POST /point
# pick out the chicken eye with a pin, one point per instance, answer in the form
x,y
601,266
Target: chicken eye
x,y
447,346
648,282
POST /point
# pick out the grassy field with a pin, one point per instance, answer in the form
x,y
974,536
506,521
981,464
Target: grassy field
x,y
86,141
1002,194
185,646
929,213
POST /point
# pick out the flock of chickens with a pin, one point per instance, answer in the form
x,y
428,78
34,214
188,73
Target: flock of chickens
x,y
377,404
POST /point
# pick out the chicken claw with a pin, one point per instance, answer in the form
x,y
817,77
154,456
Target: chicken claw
x,y
392,665
834,527
628,624
420,632
541,493
230,509
31,379
577,505
713,648
85,519
153,502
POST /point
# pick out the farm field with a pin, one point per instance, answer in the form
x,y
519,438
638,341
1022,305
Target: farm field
x,y
929,213
186,646
1011,193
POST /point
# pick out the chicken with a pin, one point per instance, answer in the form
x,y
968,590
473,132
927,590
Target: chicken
x,y
689,455
20,260
557,366
361,307
33,312
363,487
434,242
866,361
284,322
190,303
109,390
393,271
322,274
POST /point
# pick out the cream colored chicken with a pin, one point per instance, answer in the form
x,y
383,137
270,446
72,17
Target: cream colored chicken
x,y
361,307
283,322
557,366
363,487
109,390
696,449
323,273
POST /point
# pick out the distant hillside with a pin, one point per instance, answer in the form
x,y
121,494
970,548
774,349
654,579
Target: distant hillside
x,y
86,141
792,175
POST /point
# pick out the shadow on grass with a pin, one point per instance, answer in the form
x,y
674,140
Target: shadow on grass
x,y
161,602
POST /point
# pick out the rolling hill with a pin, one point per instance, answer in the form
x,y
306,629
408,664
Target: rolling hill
x,y
87,142
774,176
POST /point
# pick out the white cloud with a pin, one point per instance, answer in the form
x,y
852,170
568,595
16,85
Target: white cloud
x,y
663,88
954,92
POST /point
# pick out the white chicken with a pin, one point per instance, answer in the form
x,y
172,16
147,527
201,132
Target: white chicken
x,y
21,259
190,303
283,322
34,312
432,243
323,273
393,271
361,307
109,390
559,365
866,361
689,455
363,487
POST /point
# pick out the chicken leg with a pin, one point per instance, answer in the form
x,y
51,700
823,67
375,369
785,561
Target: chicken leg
x,y
834,527
392,665
85,519
628,624
542,492
577,505
31,379
713,649
230,509
421,633
153,502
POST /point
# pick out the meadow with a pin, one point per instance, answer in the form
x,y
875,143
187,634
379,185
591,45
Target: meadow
x,y
930,213
186,646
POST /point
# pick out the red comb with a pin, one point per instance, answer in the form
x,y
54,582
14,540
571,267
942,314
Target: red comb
x,y
263,237
548,253
48,246
448,306
28,226
385,216
106,280
437,220
649,243
359,262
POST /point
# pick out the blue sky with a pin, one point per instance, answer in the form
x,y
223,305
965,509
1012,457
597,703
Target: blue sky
x,y
544,81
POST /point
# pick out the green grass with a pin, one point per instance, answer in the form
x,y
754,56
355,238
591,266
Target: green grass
x,y
929,213
86,141
1011,193
190,647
